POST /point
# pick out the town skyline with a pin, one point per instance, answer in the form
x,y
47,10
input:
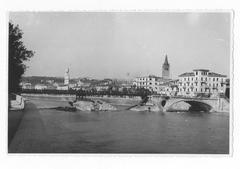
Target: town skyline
x,y
124,46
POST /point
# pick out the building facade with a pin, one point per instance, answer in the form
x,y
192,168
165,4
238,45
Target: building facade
x,y
151,82
169,88
40,87
166,69
201,82
26,85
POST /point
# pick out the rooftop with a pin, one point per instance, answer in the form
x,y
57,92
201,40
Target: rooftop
x,y
187,74
212,74
204,70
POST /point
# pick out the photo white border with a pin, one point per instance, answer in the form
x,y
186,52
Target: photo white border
x,y
169,161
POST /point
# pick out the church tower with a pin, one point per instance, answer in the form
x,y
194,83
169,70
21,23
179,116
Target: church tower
x,y
166,69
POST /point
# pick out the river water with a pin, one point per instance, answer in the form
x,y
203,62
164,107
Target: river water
x,y
125,131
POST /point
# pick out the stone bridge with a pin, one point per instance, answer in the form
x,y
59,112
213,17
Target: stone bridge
x,y
193,104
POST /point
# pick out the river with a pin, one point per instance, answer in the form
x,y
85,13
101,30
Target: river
x,y
121,131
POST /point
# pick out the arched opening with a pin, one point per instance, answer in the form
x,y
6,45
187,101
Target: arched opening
x,y
189,105
163,103
199,106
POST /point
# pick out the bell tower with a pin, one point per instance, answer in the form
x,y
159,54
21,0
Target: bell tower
x,y
166,69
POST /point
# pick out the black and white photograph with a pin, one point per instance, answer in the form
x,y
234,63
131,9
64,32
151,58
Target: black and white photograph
x,y
119,82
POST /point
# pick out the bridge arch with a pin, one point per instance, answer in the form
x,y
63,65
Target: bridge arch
x,y
195,105
163,103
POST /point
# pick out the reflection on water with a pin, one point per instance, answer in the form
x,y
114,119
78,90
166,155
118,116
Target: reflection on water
x,y
126,131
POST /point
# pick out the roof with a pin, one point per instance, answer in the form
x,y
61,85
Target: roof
x,y
166,61
187,74
205,70
212,74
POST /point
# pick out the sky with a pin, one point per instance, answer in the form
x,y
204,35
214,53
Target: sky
x,y
124,44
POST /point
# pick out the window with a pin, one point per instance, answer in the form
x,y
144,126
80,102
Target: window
x,y
192,78
196,73
213,79
196,89
206,79
201,79
217,79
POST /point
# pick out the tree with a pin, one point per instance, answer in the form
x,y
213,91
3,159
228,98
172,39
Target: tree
x,y
18,54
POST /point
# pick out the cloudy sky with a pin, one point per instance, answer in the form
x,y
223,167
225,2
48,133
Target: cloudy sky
x,y
124,45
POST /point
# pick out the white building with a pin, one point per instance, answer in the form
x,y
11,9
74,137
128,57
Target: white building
x,y
26,85
201,81
152,83
62,87
101,88
40,87
169,88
